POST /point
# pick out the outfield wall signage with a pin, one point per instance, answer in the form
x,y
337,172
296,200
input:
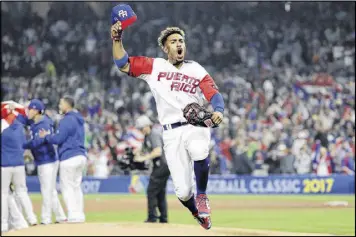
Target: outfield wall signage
x,y
291,184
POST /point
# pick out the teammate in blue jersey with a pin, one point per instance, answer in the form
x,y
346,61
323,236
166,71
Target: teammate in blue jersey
x,y
13,166
46,161
72,156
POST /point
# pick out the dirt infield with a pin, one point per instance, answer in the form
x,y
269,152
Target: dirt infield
x,y
133,229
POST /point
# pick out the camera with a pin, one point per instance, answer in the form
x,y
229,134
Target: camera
x,y
126,162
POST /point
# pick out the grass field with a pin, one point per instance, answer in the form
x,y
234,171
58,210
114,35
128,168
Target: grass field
x,y
307,214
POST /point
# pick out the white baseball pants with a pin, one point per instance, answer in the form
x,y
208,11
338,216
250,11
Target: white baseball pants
x,y
47,175
71,175
16,219
16,176
183,146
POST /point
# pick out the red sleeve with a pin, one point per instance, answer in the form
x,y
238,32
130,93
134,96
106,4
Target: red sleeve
x,y
21,111
208,87
140,65
6,112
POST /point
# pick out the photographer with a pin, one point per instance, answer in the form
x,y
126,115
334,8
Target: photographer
x,y
152,149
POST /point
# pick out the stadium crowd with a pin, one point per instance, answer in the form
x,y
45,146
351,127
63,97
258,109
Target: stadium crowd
x,y
287,76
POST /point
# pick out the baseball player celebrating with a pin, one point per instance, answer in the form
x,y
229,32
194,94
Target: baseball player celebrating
x,y
72,156
12,163
176,83
47,162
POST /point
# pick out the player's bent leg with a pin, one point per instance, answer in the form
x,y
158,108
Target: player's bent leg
x,y
19,181
198,141
180,166
190,204
201,170
204,221
198,149
181,169
44,176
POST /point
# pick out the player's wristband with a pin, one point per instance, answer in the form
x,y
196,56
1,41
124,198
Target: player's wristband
x,y
122,61
217,101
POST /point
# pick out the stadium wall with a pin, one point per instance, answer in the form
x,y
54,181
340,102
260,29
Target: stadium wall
x,y
232,184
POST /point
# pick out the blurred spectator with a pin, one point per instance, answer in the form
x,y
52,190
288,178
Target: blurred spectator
x,y
287,160
303,160
259,166
322,162
348,164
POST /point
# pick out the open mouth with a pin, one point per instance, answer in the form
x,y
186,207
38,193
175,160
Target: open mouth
x,y
180,52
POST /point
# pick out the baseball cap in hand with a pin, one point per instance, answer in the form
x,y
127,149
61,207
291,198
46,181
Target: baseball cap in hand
x,y
124,14
37,105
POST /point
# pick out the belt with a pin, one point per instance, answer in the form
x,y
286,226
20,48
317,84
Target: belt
x,y
174,125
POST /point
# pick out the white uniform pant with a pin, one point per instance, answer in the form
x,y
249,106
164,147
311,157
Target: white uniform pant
x,y
16,219
16,176
71,174
47,174
183,146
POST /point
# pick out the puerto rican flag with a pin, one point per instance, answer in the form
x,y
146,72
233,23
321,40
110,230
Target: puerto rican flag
x,y
8,115
134,137
319,83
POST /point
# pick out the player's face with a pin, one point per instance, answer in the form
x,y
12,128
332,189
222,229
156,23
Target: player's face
x,y
32,113
62,106
175,48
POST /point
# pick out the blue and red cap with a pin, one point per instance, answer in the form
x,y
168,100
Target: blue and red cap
x,y
124,14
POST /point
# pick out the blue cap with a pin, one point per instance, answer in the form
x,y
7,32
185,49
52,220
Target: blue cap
x,y
124,14
37,105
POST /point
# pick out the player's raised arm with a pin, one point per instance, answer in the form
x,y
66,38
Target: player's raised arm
x,y
122,17
120,56
137,66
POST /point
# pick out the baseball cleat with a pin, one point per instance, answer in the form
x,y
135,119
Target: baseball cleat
x,y
204,221
203,206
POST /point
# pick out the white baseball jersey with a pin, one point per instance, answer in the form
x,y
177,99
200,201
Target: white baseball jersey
x,y
171,87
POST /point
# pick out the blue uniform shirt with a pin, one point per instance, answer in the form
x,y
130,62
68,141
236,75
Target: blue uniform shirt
x,y
12,139
43,153
69,137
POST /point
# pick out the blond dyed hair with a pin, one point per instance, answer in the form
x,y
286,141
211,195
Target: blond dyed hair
x,y
167,32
